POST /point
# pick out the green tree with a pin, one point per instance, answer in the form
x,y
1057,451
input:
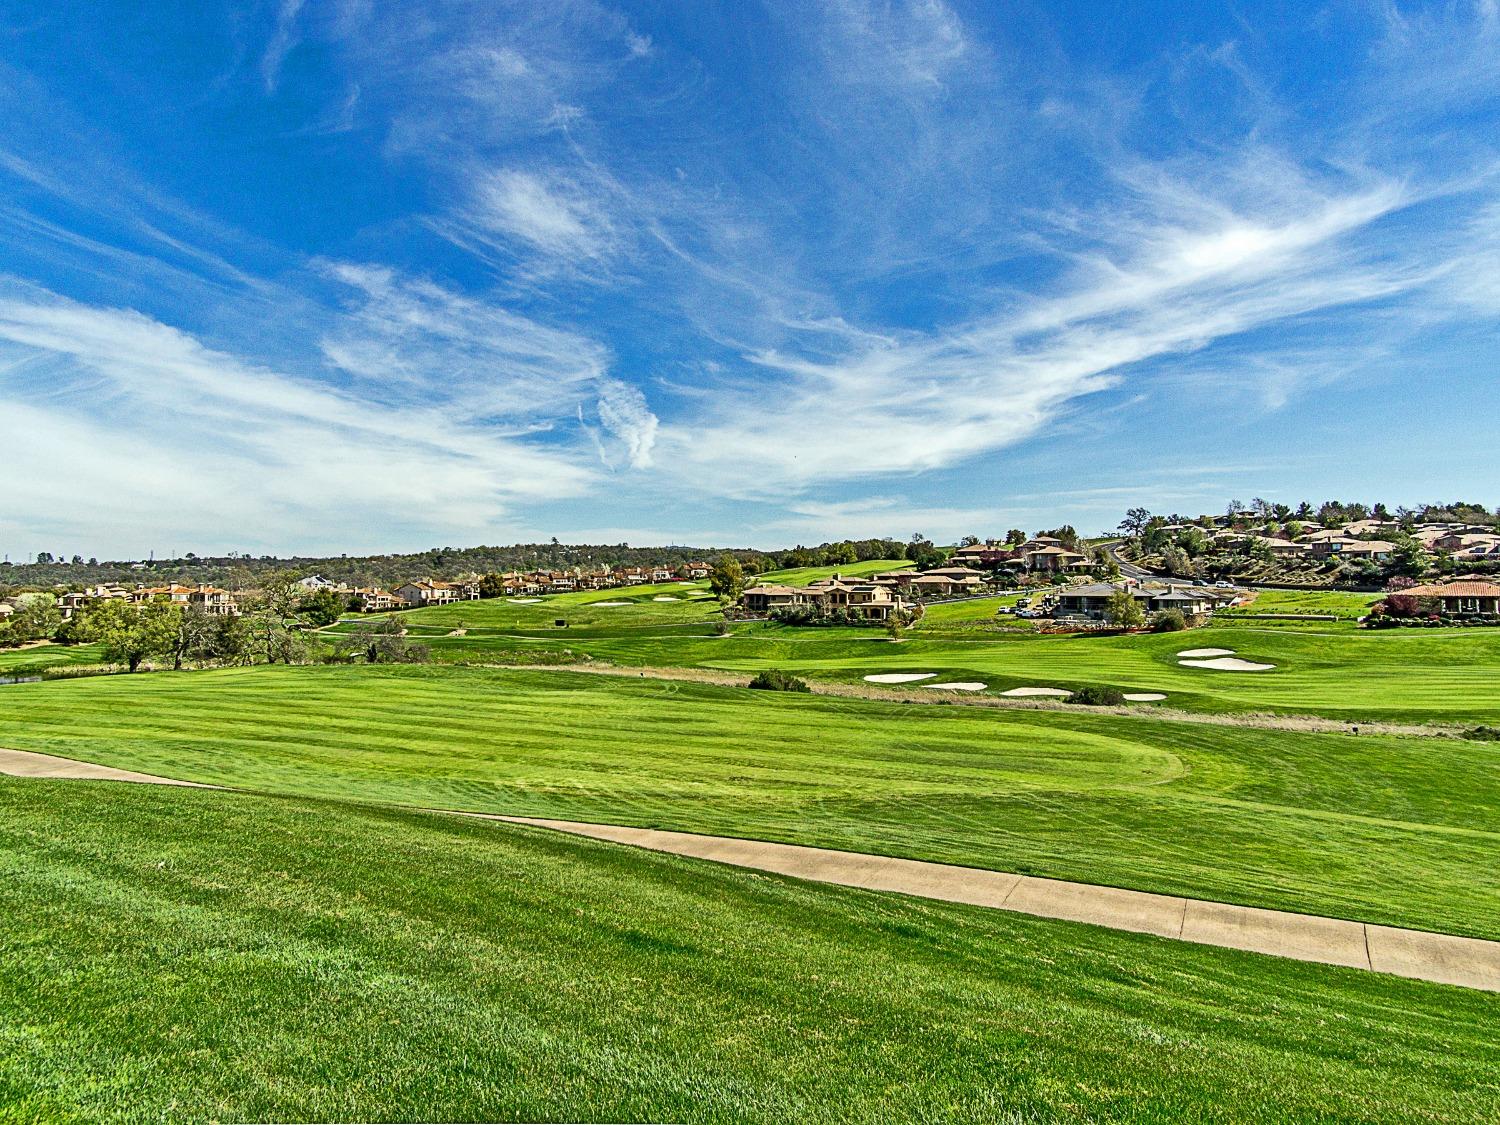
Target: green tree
x,y
384,642
727,579
1409,558
322,607
36,618
1135,522
194,636
130,633
1124,611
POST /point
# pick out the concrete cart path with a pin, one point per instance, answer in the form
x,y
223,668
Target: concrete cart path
x,y
1470,962
23,763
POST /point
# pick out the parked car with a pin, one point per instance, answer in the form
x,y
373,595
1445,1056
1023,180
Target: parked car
x,y
1005,610
1223,585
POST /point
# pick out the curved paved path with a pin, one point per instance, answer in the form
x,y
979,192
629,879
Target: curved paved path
x,y
1470,962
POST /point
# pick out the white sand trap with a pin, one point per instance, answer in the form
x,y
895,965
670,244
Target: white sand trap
x,y
1227,664
665,598
610,605
524,601
1144,697
1025,692
900,677
967,686
1196,652
458,632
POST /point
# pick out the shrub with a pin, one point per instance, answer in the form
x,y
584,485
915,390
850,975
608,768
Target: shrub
x,y
1168,621
773,679
1096,695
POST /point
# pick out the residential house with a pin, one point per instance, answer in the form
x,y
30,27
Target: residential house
x,y
1346,548
1466,595
1092,600
214,601
694,571
426,592
862,599
315,582
372,599
987,555
764,599
934,584
1042,555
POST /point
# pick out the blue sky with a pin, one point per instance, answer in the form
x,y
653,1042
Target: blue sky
x,y
357,276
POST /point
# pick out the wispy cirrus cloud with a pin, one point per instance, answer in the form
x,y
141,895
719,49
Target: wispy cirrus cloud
x,y
549,214
236,433
283,39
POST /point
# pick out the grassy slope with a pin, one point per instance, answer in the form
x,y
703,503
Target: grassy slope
x,y
192,956
1384,829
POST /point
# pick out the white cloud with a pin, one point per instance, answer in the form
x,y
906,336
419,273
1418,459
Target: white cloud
x,y
624,414
423,341
1201,272
283,38
549,213
136,416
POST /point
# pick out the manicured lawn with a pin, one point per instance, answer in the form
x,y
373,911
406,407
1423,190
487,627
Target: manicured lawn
x,y
1322,668
28,661
1343,604
1395,830
195,956
1333,669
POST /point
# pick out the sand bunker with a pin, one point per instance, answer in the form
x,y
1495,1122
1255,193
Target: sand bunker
x,y
1227,664
900,677
524,601
968,686
1144,697
1196,652
610,605
1023,692
665,598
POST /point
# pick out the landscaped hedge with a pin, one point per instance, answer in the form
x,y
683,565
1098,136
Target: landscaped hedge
x,y
1442,621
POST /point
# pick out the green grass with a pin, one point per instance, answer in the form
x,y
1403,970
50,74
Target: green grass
x,y
30,661
1327,668
194,956
1396,830
1344,604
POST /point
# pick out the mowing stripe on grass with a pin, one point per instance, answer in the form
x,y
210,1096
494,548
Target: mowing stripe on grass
x,y
1444,958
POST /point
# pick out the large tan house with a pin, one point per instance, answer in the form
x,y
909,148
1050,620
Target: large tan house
x,y
869,600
